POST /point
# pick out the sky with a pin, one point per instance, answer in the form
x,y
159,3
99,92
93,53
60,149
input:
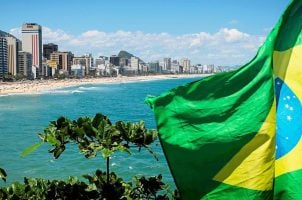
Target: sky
x,y
220,32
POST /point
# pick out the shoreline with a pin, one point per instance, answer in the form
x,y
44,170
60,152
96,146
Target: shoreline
x,y
46,86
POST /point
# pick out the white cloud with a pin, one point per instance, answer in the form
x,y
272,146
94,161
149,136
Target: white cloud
x,y
225,47
16,32
58,35
231,35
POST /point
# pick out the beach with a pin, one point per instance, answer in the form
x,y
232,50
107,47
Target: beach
x,y
39,86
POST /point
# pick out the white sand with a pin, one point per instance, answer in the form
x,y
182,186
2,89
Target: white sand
x,y
39,86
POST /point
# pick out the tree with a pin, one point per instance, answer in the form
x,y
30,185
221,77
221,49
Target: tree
x,y
93,136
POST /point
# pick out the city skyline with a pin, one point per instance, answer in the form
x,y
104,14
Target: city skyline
x,y
152,31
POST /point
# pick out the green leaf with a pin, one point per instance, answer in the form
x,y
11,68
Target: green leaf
x,y
97,119
106,153
61,121
51,139
41,136
58,151
31,149
3,174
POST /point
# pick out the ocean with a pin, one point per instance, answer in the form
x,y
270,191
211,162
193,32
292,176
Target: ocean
x,y
23,116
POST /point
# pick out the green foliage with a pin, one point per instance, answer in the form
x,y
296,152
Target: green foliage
x,y
147,188
94,135
97,135
20,76
46,189
8,77
3,174
96,188
116,188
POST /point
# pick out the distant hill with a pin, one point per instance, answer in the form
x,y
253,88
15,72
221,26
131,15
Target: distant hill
x,y
125,54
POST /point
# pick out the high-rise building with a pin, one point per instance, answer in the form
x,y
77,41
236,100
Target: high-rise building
x,y
124,62
102,66
167,64
13,47
48,49
115,60
12,55
25,64
208,69
32,43
64,61
3,56
154,67
175,66
85,61
186,64
134,63
101,61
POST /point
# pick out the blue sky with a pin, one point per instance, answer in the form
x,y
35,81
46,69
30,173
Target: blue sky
x,y
198,29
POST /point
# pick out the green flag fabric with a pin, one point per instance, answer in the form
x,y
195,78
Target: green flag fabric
x,y
287,63
219,133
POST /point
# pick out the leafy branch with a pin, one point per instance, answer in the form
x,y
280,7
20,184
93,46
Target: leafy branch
x,y
95,135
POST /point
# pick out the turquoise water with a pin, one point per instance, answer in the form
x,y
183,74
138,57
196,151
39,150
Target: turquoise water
x,y
22,116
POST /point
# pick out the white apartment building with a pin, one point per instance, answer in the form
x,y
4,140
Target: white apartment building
x,y
134,63
86,61
186,64
167,64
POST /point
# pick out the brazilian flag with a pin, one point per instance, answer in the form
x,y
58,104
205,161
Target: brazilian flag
x,y
287,63
237,135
